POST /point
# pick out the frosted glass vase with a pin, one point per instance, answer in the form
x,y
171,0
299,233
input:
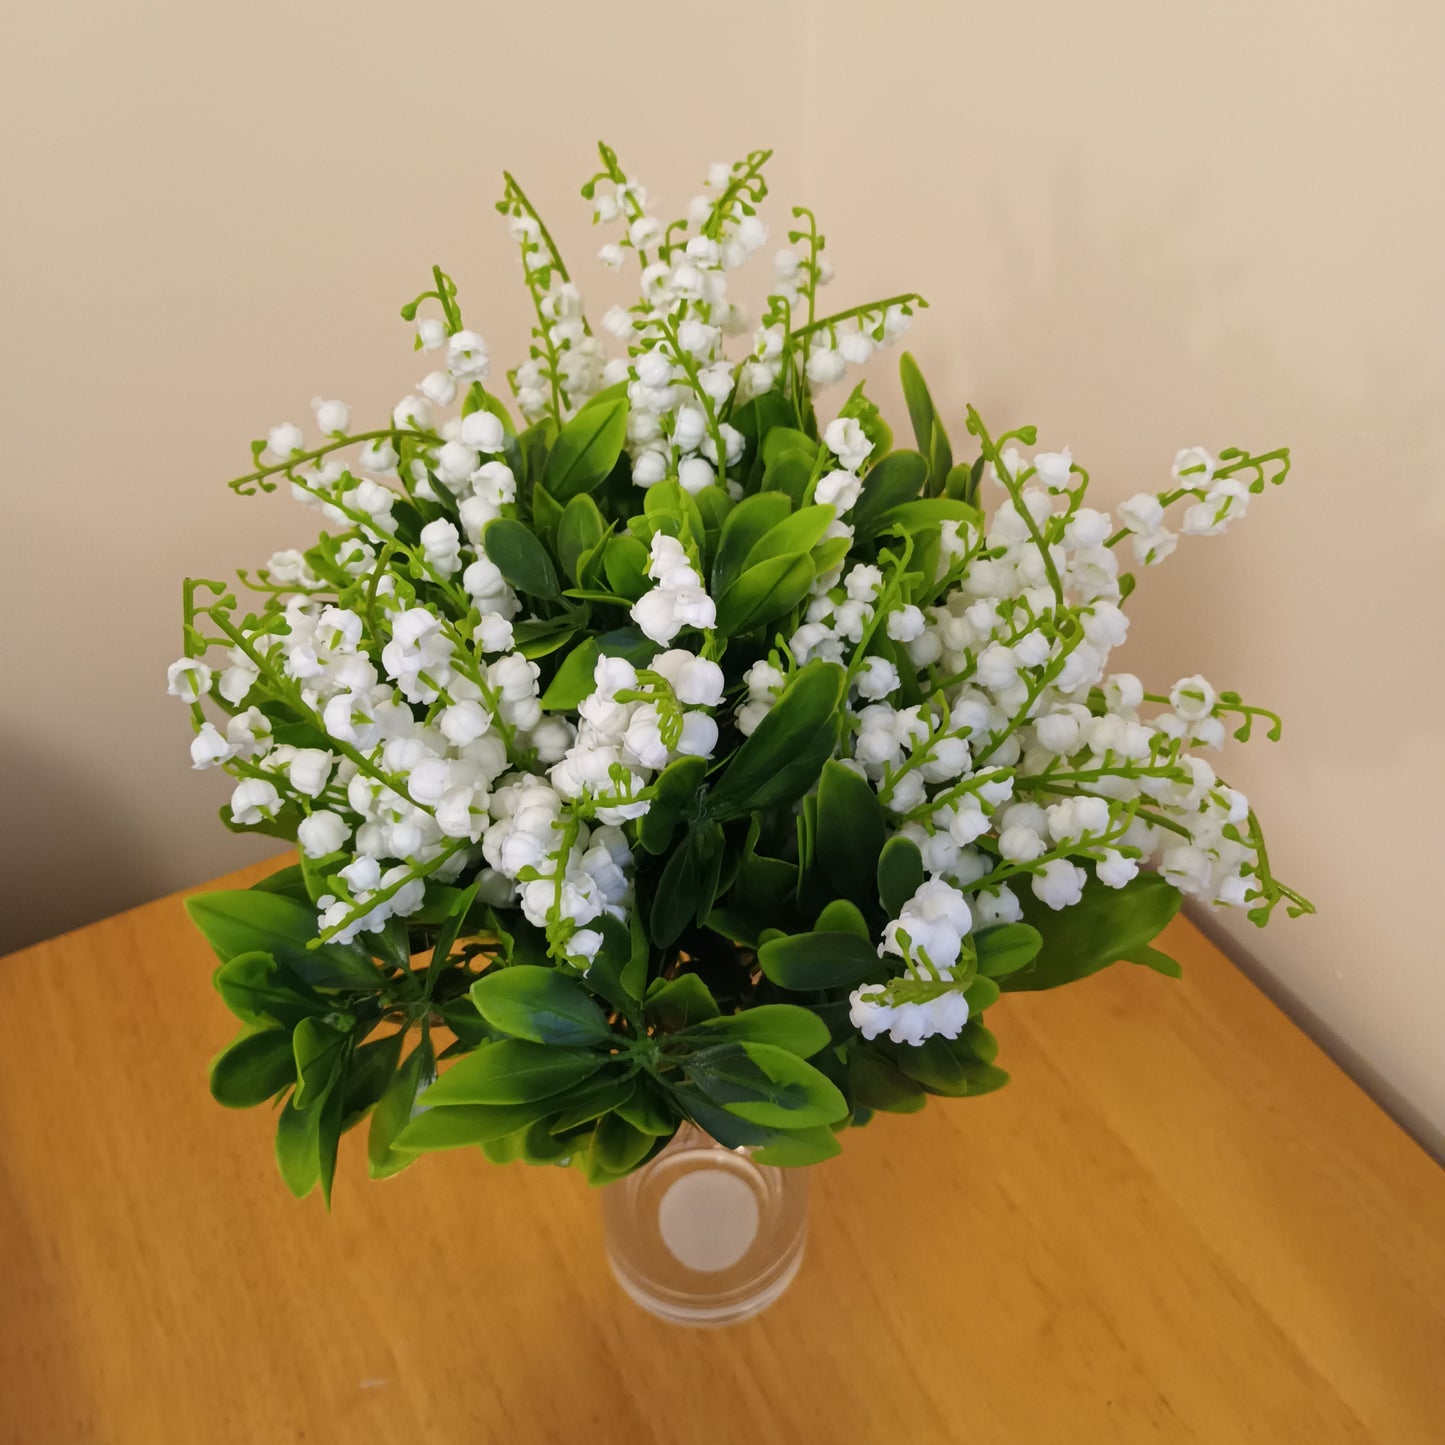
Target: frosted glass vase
x,y
703,1235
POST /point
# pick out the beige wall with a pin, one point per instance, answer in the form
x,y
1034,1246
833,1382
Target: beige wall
x,y
1141,224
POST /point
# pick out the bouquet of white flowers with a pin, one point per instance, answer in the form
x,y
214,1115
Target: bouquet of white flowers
x,y
675,753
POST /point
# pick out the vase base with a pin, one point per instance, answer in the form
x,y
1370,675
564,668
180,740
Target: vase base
x,y
704,1236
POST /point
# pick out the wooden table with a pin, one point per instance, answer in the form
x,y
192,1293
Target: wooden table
x,y
1180,1222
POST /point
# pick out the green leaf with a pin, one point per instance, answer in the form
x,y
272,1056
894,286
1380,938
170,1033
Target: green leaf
x,y
1006,948
929,512
260,991
932,1064
932,439
900,874
679,1002
842,916
521,558
394,1110
246,920
675,791
898,478
748,522
877,1084
785,1025
784,439
298,1155
761,895
575,678
648,1110
789,474
763,593
540,637
794,1148
1105,925
601,1094
512,1071
791,537
1152,958
763,1084
318,1049
617,1146
581,527
369,1073
252,1069
459,1126
539,1004
586,449
783,757
687,886
807,961
980,994
289,881
852,829
546,513
624,564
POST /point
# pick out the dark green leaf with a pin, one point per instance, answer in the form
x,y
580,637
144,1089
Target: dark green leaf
x,y
617,1146
877,1084
259,991
394,1110
809,961
1152,958
842,916
318,1049
687,886
763,593
783,757
369,1073
746,525
981,993
581,527
675,794
599,1095
246,920
676,1003
932,439
252,1069
648,1110
297,1151
900,874
1106,924
851,832
791,537
898,478
624,564
521,558
586,449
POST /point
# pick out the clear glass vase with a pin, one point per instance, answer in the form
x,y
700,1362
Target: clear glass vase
x,y
703,1235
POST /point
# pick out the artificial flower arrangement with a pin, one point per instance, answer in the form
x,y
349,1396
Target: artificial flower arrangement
x,y
673,753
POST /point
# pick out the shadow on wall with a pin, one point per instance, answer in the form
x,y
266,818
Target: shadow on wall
x,y
1130,344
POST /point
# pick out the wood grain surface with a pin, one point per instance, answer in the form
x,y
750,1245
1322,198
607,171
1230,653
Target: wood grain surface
x,y
1180,1222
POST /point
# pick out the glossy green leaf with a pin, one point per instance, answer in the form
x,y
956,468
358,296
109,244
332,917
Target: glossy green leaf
x,y
852,829
540,1004
677,1003
521,558
898,478
586,449
512,1071
252,1069
687,886
900,874
297,1148
927,428
784,439
602,1093
318,1049
617,1146
394,1110
459,1126
648,1109
260,991
624,564
1148,957
981,993
842,916
783,757
786,1026
581,527
877,1084
1105,925
795,1148
807,961
1006,948
929,512
766,1085
797,533
248,920
575,677
763,593
748,522
369,1072
675,795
